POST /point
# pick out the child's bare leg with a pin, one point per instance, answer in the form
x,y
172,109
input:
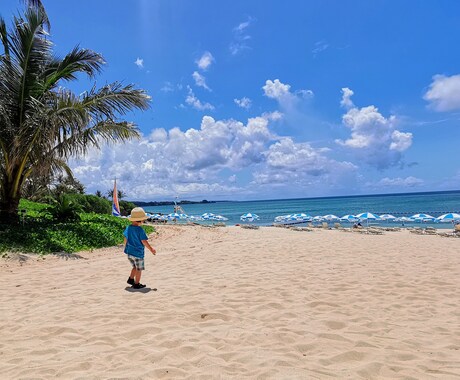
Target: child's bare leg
x,y
137,276
133,273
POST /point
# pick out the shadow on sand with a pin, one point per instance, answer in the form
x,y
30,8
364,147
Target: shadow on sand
x,y
68,256
143,290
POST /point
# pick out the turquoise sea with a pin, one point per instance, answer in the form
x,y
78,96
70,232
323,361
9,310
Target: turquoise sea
x,y
434,203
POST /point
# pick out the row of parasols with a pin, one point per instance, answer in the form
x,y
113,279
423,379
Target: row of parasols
x,y
302,217
176,216
368,216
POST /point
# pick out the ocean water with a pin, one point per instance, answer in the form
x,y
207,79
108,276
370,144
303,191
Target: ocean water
x,y
435,204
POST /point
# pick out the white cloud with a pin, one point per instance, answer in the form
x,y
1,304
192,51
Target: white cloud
x,y
281,92
139,62
400,141
291,165
205,61
193,163
175,161
319,47
167,87
276,90
397,182
444,93
240,37
346,101
243,102
373,137
200,80
196,103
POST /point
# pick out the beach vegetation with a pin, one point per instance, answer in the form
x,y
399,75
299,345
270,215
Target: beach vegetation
x,y
41,233
65,209
42,123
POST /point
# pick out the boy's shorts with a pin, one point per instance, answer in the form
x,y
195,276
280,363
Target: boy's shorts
x,y
136,262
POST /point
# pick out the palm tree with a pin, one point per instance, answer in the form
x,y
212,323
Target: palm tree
x,y
43,124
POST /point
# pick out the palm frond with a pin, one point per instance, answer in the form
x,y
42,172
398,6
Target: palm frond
x,y
37,4
77,61
114,99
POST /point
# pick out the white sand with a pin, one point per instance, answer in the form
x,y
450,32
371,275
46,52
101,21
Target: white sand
x,y
234,303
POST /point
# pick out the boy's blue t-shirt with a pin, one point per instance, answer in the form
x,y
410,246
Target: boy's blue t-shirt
x,y
134,236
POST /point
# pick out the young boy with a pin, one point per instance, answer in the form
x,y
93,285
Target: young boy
x,y
135,241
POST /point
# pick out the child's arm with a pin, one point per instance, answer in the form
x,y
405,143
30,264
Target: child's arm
x,y
148,246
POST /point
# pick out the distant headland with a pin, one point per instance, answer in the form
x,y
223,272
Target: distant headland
x,y
169,203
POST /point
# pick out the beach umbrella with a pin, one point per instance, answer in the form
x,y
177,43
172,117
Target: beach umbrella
x,y
367,216
208,216
330,217
194,217
220,218
448,218
422,217
302,216
317,218
280,218
249,217
176,216
349,218
387,217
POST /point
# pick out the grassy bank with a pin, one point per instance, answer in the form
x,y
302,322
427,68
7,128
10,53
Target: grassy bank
x,y
39,233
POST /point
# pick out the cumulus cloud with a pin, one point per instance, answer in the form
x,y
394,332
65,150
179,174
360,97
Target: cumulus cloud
x,y
346,98
444,93
275,89
186,162
241,37
194,162
200,80
196,103
139,62
374,138
205,61
243,102
292,165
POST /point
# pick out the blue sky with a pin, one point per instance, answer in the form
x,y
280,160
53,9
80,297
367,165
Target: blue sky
x,y
274,99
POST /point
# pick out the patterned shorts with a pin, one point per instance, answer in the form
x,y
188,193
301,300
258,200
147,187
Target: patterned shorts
x,y
136,262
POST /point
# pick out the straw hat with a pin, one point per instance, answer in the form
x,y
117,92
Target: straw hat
x,y
137,215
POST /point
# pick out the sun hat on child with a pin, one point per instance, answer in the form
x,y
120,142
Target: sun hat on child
x,y
137,215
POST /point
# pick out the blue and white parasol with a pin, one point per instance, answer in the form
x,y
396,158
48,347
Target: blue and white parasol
x,y
208,216
367,216
387,217
448,218
249,217
176,216
330,217
422,217
349,218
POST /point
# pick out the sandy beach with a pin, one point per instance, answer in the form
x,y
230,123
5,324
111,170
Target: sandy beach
x,y
234,303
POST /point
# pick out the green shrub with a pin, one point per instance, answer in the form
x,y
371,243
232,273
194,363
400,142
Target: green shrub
x,y
41,234
92,203
64,209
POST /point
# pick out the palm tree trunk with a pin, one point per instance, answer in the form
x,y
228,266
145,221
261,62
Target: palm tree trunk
x,y
9,206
